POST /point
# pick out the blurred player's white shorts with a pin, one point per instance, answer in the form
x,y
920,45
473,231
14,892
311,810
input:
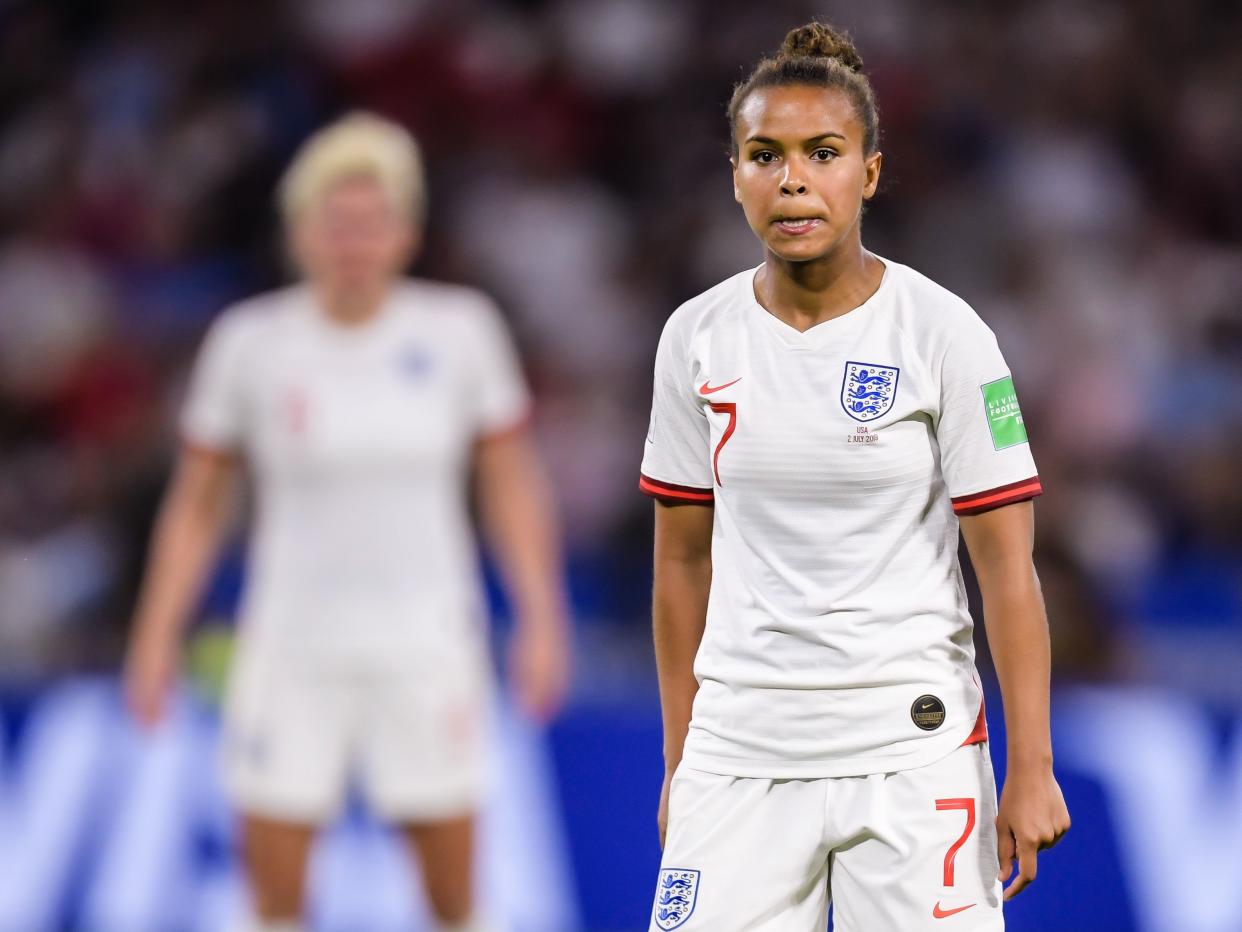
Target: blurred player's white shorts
x,y
906,851
412,735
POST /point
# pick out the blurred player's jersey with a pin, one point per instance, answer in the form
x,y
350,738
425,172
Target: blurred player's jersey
x,y
838,640
359,439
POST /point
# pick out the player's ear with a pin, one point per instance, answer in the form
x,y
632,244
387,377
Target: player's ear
x,y
871,165
737,194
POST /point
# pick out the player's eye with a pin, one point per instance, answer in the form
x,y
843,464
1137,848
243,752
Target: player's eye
x,y
763,156
824,155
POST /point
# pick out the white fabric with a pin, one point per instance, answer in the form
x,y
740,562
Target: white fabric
x,y
474,924
258,925
836,597
299,728
359,440
770,853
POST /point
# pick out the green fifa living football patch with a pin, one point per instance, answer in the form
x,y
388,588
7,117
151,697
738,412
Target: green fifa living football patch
x,y
1004,415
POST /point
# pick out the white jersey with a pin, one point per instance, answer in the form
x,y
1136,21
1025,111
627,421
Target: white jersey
x,y
838,640
359,440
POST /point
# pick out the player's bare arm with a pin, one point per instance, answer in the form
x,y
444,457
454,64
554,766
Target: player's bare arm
x,y
1032,814
516,510
683,576
195,511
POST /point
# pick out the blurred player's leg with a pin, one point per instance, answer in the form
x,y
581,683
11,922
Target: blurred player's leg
x,y
276,857
287,727
446,853
423,738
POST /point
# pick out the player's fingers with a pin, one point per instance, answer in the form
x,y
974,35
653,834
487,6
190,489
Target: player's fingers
x,y
1051,840
540,696
144,701
540,677
1028,854
1059,832
553,683
533,700
1052,832
524,682
1004,849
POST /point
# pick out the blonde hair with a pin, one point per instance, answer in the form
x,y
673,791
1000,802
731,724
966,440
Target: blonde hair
x,y
358,145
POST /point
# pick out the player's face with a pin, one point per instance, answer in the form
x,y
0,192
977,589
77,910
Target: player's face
x,y
800,173
353,238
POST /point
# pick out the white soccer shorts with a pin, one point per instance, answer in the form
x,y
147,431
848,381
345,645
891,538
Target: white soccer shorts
x,y
297,730
894,852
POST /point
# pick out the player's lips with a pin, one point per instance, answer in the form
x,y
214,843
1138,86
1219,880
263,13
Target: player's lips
x,y
797,226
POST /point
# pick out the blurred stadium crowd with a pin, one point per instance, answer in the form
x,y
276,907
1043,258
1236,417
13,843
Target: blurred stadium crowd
x,y
1071,169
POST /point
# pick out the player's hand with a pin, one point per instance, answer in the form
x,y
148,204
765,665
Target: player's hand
x,y
539,666
150,670
662,812
1032,816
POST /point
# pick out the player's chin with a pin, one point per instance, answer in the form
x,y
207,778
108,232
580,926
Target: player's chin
x,y
357,276
806,248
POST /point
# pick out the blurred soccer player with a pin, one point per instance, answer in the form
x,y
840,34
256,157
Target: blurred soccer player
x,y
839,415
359,402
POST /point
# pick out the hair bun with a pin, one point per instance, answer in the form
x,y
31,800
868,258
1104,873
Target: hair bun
x,y
818,40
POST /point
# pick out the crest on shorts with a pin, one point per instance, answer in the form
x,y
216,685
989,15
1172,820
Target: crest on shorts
x,y
868,390
675,897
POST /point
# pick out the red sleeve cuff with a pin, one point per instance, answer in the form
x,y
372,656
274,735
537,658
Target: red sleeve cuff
x,y
978,502
507,431
674,494
210,450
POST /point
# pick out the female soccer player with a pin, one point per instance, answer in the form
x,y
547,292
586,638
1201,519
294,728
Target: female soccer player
x,y
840,416
360,402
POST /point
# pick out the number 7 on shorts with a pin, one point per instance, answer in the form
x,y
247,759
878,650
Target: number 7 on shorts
x,y
969,806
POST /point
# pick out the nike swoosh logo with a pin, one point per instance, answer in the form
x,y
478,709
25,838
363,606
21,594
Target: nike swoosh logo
x,y
938,913
706,389
926,705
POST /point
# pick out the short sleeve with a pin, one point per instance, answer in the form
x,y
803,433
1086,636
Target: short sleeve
x,y
501,398
676,462
213,415
984,452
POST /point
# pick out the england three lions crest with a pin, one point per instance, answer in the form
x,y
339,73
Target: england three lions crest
x,y
675,896
868,390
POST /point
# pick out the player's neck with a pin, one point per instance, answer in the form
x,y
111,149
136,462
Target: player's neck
x,y
803,294
351,307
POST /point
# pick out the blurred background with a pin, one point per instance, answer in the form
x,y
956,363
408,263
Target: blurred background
x,y
1070,168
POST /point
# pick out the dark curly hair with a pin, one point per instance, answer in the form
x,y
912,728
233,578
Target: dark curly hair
x,y
814,55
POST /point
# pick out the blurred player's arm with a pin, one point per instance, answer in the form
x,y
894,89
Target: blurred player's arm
x,y
1032,812
518,519
196,509
683,576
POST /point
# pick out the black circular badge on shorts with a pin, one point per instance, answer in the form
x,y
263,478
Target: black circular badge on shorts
x,y
927,712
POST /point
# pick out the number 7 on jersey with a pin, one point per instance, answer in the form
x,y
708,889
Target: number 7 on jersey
x,y
729,408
